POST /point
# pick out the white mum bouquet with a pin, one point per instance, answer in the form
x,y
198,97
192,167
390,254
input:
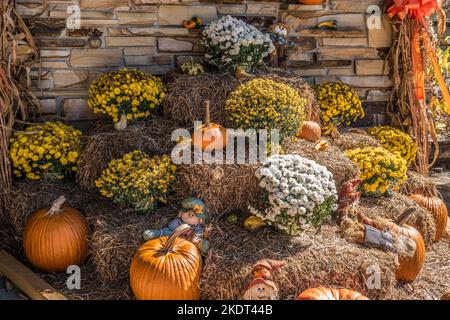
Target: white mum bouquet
x,y
299,194
230,42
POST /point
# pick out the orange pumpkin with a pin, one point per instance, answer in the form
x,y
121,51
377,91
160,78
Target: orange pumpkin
x,y
310,2
330,294
409,267
439,210
210,136
311,131
167,268
56,238
446,296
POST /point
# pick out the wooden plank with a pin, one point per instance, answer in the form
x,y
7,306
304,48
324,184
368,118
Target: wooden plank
x,y
26,280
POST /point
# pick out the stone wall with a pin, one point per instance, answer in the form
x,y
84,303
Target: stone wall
x,y
147,34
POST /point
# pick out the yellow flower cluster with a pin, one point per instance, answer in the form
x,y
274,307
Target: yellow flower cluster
x,y
130,93
48,150
266,104
138,181
381,170
340,105
396,141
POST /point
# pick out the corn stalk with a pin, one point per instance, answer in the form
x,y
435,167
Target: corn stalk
x,y
18,52
405,111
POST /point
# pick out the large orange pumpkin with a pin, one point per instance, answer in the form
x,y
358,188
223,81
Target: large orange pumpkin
x,y
330,294
410,267
439,210
210,136
311,131
167,268
56,238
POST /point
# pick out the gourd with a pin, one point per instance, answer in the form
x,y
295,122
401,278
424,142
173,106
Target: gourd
x,y
56,238
311,131
167,268
210,136
438,209
330,294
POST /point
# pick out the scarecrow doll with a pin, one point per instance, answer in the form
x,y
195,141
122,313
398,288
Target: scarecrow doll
x,y
262,286
194,213
279,35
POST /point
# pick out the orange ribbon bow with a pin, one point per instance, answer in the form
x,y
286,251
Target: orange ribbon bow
x,y
417,9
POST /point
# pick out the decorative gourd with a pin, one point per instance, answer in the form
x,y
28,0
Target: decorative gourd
x,y
330,294
409,267
311,131
56,238
167,268
210,136
439,210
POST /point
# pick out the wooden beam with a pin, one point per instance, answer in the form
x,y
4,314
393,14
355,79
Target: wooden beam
x,y
26,280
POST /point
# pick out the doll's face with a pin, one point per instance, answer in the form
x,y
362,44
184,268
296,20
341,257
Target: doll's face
x,y
280,30
262,291
189,217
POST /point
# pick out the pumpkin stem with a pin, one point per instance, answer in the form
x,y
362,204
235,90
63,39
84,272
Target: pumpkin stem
x,y
56,206
208,114
178,232
405,216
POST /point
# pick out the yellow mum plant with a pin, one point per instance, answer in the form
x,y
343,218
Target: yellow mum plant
x,y
138,181
49,150
396,141
340,105
266,104
381,170
126,94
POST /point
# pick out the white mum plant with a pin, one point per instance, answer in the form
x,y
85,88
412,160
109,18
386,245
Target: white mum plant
x,y
230,42
299,194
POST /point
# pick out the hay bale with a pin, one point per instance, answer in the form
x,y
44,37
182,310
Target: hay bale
x,y
392,207
105,144
337,163
355,140
314,259
224,187
418,184
116,237
186,95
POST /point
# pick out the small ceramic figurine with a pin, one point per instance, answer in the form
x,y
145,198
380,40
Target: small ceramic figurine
x,y
194,213
279,35
262,286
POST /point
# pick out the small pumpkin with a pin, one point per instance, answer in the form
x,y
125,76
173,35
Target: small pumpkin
x,y
167,268
210,136
330,294
56,238
311,131
446,296
410,267
439,210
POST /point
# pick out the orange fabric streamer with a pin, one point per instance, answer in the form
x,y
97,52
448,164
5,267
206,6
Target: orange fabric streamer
x,y
437,70
416,9
417,66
